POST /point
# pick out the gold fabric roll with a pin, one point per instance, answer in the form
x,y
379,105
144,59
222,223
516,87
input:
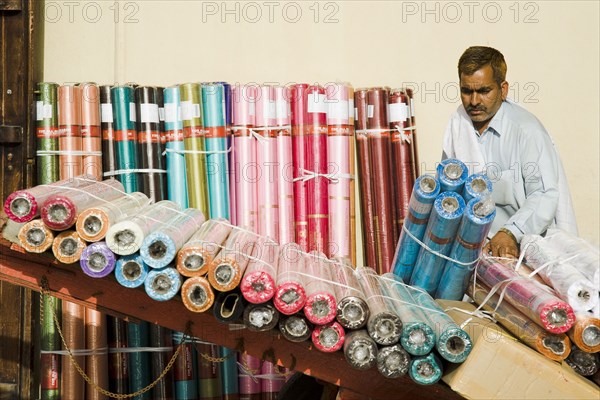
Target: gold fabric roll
x,y
197,294
68,246
35,237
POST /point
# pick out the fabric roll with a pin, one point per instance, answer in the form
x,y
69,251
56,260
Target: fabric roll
x,y
69,135
417,338
217,165
229,306
93,223
321,304
227,269
290,296
360,350
587,259
383,325
177,184
73,328
425,370
229,374
200,250
585,333
245,166
585,364
440,234
272,384
131,271
340,157
35,237
125,136
352,307
393,361
209,373
24,205
284,166
139,361
472,233
249,386
47,132
379,141
197,294
97,261
126,236
91,140
149,148
162,284
160,247
67,247
118,365
185,370
59,212
328,338
477,185
413,126
96,366
365,180
50,376
425,191
229,98
261,317
165,388
555,347
258,283
452,174
109,156
295,328
528,296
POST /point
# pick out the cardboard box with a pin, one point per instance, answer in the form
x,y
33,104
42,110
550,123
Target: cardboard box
x,y
501,367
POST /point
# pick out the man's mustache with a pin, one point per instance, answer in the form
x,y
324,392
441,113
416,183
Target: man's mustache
x,y
470,108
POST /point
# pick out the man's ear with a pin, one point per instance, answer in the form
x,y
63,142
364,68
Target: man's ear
x,y
504,89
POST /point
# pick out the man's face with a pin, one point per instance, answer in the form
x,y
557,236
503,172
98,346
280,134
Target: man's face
x,y
482,96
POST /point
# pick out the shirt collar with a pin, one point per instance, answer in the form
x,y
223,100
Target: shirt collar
x,y
496,124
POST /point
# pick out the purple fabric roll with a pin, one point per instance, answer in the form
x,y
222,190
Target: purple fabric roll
x,y
97,260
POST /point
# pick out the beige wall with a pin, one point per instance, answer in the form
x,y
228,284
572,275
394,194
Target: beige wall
x,y
552,50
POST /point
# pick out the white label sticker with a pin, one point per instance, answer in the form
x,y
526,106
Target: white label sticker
x,y
370,110
412,107
187,110
47,111
132,116
316,103
106,113
337,109
172,112
397,112
161,113
356,113
39,110
351,109
271,110
149,113
197,111
282,108
252,108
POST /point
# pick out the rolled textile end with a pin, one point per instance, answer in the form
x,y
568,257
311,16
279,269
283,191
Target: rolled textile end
x,y
360,350
586,334
585,364
425,370
328,338
68,247
385,328
97,260
320,308
258,286
131,271
197,294
193,261
417,338
393,361
162,284
352,312
289,298
454,345
261,317
295,328
35,237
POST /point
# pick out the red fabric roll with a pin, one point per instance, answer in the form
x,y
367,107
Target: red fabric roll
x,y
258,284
299,97
328,338
321,304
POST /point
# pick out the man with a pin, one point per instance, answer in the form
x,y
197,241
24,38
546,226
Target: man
x,y
495,135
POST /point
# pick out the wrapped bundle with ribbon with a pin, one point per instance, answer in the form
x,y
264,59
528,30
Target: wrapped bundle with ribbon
x,y
477,186
91,141
365,180
290,295
360,350
200,250
472,233
559,272
453,343
60,211
197,294
261,317
227,269
109,156
131,271
352,308
178,106
258,283
328,338
295,328
528,296
418,338
340,156
162,284
588,255
69,134
93,223
97,260
24,205
402,154
585,364
452,174
125,137
383,325
425,370
393,361
425,191
586,333
126,236
46,117
321,304
160,247
152,178
35,236
68,246
215,130
554,346
443,224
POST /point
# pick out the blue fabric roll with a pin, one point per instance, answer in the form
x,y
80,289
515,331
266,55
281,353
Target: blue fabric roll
x,y
176,178
477,186
186,389
439,236
425,370
425,190
473,229
163,284
167,245
131,271
139,361
452,174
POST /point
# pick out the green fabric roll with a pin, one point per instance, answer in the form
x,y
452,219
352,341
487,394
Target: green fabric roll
x,y
47,131
139,362
50,341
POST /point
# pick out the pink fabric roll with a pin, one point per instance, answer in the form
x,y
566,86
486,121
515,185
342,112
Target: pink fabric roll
x,y
250,366
285,172
258,284
90,130
290,295
321,304
298,102
69,135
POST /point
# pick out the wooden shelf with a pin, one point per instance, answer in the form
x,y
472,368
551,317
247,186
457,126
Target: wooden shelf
x,y
68,282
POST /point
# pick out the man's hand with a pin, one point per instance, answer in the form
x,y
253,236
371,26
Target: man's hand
x,y
502,244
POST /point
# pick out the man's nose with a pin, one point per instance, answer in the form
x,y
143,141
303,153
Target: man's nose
x,y
475,99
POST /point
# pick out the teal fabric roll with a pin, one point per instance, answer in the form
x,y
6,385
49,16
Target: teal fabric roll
x,y
176,181
124,119
139,362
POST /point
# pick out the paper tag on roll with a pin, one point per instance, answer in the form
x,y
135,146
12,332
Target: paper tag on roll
x,y
397,112
351,109
106,113
171,113
337,109
316,103
282,108
187,110
132,115
39,110
149,113
370,110
161,113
